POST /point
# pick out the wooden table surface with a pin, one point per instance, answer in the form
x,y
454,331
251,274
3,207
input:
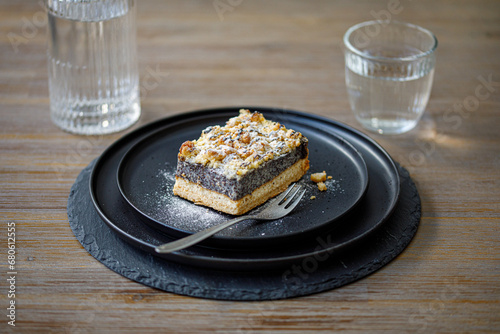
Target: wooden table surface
x,y
282,54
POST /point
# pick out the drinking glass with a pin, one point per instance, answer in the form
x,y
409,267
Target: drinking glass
x,y
92,65
389,69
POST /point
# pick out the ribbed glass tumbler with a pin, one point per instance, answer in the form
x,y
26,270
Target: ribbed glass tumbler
x,y
92,65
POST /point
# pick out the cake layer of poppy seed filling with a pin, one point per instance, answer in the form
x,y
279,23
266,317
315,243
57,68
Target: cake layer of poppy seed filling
x,y
236,188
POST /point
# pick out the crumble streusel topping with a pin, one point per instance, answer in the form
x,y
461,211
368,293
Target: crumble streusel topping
x,y
243,144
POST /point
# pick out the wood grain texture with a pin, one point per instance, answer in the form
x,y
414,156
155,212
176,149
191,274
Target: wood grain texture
x,y
271,53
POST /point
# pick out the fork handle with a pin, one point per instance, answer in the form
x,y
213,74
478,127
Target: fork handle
x,y
197,237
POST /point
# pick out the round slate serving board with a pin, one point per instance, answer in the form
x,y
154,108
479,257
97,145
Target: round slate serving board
x,y
308,276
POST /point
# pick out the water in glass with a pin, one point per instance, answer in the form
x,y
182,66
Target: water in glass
x,y
388,98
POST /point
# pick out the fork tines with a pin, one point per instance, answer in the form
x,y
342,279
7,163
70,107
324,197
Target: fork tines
x,y
288,195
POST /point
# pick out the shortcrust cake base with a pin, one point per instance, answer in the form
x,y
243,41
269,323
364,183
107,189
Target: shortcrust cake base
x,y
202,196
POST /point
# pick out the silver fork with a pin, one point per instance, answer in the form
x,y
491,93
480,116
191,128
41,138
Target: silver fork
x,y
277,208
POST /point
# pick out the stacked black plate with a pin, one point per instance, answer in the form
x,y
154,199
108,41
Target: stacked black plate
x,y
131,189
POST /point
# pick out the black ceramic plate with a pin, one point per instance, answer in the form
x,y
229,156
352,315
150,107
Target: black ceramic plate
x,y
374,208
146,179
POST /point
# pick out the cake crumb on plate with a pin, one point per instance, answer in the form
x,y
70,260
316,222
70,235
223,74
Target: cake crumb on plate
x,y
321,186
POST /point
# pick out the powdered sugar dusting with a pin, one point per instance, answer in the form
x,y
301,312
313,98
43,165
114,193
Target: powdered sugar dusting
x,y
160,204
178,212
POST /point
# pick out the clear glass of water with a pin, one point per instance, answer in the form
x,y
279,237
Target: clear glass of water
x,y
389,68
92,64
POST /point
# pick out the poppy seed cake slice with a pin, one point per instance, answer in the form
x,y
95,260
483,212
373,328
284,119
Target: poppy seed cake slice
x,y
241,165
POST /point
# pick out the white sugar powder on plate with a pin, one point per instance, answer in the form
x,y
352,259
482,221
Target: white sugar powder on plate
x,y
176,212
